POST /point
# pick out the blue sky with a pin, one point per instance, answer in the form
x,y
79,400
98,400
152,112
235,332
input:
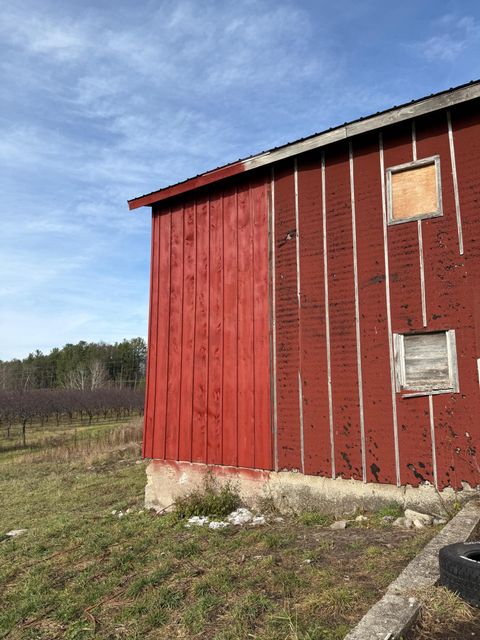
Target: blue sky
x,y
103,101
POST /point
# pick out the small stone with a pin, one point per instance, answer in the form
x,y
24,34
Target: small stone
x,y
361,519
257,520
240,516
424,518
307,561
218,524
400,522
388,518
14,533
438,521
198,521
279,519
120,514
114,512
138,461
418,524
128,511
339,524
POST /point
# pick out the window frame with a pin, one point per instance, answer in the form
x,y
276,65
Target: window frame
x,y
400,168
425,390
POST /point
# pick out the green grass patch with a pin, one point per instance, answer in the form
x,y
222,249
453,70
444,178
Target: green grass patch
x,y
82,573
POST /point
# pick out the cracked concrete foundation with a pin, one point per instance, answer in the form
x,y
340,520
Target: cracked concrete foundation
x,y
294,492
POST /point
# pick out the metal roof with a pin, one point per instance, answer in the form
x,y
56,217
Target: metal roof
x,y
427,104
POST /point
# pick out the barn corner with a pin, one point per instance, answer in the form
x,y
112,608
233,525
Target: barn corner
x,y
314,323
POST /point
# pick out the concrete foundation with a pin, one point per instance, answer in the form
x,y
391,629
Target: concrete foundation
x,y
293,492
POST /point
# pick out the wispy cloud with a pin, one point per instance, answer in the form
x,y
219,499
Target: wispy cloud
x,y
452,37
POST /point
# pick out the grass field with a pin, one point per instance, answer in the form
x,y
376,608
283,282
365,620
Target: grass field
x,y
81,572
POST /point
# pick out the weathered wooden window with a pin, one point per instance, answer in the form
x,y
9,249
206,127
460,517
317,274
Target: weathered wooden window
x,y
414,190
426,362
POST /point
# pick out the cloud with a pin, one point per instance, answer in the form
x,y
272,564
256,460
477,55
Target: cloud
x,y
453,37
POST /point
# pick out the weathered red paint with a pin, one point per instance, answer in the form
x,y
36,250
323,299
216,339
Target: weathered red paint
x,y
287,321
377,396
208,393
313,354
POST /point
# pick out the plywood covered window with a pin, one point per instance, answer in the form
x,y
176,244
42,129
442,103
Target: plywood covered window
x,y
414,190
426,362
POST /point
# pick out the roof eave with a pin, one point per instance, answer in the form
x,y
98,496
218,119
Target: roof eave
x,y
412,110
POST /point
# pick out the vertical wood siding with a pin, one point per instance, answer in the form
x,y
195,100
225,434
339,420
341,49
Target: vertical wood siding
x,y
448,292
209,396
208,390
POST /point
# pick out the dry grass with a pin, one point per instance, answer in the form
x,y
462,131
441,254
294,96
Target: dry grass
x,y
122,441
442,610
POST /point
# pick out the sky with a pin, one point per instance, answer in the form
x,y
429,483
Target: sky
x,y
104,101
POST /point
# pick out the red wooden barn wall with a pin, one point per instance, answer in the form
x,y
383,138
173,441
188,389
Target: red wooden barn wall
x,y
342,283
330,218
208,376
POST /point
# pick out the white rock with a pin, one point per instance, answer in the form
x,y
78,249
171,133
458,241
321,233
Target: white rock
x,y
388,518
218,524
418,524
361,519
120,514
307,561
400,522
279,519
14,533
128,511
424,518
240,516
198,521
257,520
437,521
339,524
114,512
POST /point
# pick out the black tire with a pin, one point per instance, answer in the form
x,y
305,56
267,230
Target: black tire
x,y
460,570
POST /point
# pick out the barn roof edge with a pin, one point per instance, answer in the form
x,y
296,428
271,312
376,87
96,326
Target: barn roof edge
x,y
406,111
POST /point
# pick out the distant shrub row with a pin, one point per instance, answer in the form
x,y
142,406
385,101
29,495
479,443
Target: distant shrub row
x,y
41,405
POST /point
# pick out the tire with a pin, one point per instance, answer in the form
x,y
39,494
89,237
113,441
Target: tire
x,y
460,570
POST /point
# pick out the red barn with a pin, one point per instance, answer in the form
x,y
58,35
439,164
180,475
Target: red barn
x,y
315,314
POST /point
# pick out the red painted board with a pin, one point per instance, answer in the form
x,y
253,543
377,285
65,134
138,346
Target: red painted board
x,y
246,383
149,420
287,320
188,333
230,330
313,344
162,336
200,379
375,354
175,335
215,341
346,416
261,329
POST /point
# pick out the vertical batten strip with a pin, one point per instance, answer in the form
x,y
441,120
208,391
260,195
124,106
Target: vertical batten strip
x,y
389,313
432,437
327,319
357,314
297,246
414,140
274,319
422,273
455,182
420,238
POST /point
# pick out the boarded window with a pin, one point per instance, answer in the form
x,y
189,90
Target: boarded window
x,y
426,362
414,190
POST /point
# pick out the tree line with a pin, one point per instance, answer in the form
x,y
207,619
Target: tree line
x,y
84,366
